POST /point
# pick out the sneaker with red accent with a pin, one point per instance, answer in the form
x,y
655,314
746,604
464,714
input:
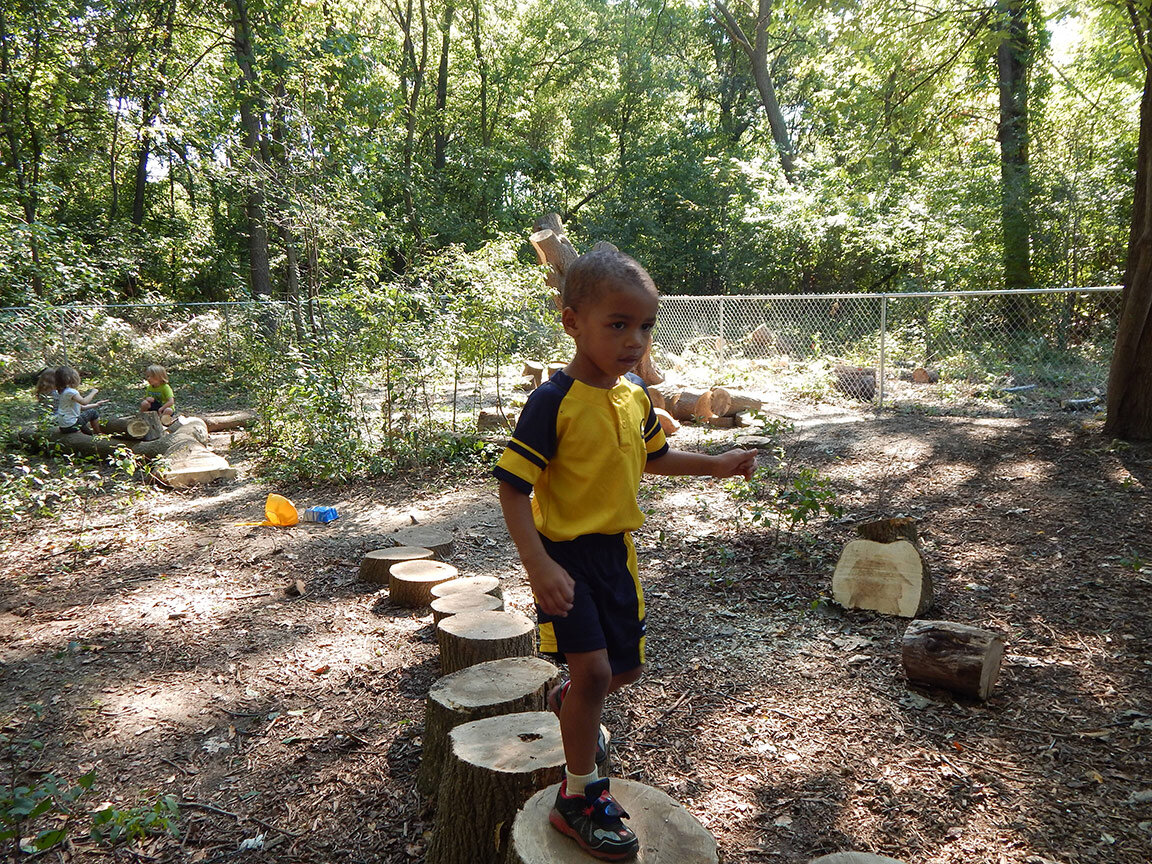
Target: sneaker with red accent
x,y
593,820
556,699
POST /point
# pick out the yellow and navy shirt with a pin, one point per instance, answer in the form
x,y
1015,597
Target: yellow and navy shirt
x,y
582,449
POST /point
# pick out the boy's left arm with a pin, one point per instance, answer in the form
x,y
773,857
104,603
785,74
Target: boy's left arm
x,y
733,463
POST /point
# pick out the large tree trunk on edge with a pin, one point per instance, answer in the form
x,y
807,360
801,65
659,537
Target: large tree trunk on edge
x,y
1012,63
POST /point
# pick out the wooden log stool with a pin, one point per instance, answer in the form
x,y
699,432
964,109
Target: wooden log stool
x,y
493,765
473,637
375,565
474,584
884,571
440,542
956,657
410,582
464,601
509,686
668,833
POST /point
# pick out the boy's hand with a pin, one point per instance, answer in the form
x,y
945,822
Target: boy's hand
x,y
553,588
735,463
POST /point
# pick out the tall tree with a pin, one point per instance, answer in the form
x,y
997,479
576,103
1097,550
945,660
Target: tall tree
x,y
1130,376
1013,61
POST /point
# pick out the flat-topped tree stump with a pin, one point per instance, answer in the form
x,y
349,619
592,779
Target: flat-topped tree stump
x,y
440,542
464,601
668,833
493,765
885,571
956,657
375,565
469,584
410,582
473,637
512,685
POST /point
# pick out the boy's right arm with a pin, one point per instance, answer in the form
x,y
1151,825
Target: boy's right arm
x,y
553,588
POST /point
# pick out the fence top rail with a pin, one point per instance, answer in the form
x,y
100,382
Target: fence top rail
x,y
900,295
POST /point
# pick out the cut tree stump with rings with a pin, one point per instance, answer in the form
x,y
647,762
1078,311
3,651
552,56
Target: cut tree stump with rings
x,y
473,637
410,583
375,565
454,604
476,584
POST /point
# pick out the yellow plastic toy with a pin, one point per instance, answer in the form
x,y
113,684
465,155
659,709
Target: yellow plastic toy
x,y
279,512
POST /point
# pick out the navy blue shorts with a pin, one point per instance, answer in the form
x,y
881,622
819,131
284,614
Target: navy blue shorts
x,y
608,610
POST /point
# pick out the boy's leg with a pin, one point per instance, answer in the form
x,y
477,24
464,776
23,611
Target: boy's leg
x,y
592,680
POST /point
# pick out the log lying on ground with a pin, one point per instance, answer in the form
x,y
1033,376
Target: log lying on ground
x,y
885,572
856,381
492,766
224,421
474,637
668,833
508,686
375,565
956,657
854,858
145,426
410,582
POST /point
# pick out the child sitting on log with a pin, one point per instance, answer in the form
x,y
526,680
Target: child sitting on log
x,y
581,445
76,413
159,396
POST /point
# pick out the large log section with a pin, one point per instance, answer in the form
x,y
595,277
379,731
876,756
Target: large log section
x,y
473,637
668,833
963,659
884,571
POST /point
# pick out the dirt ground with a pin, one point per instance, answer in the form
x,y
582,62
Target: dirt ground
x,y
157,636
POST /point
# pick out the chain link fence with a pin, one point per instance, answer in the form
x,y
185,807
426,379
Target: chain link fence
x,y
976,352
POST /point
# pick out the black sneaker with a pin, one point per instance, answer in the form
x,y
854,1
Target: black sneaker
x,y
556,699
593,821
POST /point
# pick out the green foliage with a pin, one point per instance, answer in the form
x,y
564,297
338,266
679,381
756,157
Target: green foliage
x,y
782,493
113,826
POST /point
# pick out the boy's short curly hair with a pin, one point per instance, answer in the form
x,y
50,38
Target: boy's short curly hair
x,y
157,371
593,274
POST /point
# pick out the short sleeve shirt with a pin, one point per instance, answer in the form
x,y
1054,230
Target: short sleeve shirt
x,y
582,451
162,393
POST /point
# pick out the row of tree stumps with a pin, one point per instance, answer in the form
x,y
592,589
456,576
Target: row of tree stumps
x,y
885,571
492,757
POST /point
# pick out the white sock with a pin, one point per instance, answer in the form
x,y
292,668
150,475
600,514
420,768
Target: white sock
x,y
576,782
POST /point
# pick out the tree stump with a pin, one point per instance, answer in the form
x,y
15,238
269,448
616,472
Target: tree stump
x,y
464,601
440,542
470,585
668,833
492,766
145,426
956,657
473,637
859,382
691,404
853,858
410,582
721,403
743,402
657,400
533,371
667,422
885,572
375,565
509,686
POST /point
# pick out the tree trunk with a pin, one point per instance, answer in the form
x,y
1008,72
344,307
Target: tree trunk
x,y
474,637
410,582
1129,390
508,686
1013,59
440,147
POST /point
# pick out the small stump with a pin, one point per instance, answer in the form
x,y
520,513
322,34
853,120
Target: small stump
x,y
410,582
375,565
884,571
440,542
466,601
668,833
473,637
956,657
493,765
509,686
472,584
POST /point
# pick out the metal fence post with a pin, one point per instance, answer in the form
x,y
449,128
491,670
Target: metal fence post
x,y
883,328
722,346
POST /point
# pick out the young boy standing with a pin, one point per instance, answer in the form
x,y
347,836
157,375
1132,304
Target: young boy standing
x,y
581,444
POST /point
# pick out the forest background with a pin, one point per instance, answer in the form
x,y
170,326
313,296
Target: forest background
x,y
391,156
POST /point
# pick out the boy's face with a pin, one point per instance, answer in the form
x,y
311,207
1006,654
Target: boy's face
x,y
611,333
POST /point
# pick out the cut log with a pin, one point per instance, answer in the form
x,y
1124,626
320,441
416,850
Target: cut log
x,y
493,765
469,584
668,833
147,426
854,858
553,368
691,404
467,601
375,565
439,541
885,577
647,370
920,375
657,399
858,382
955,657
721,403
722,422
535,371
890,530
509,686
743,402
667,421
474,637
410,582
